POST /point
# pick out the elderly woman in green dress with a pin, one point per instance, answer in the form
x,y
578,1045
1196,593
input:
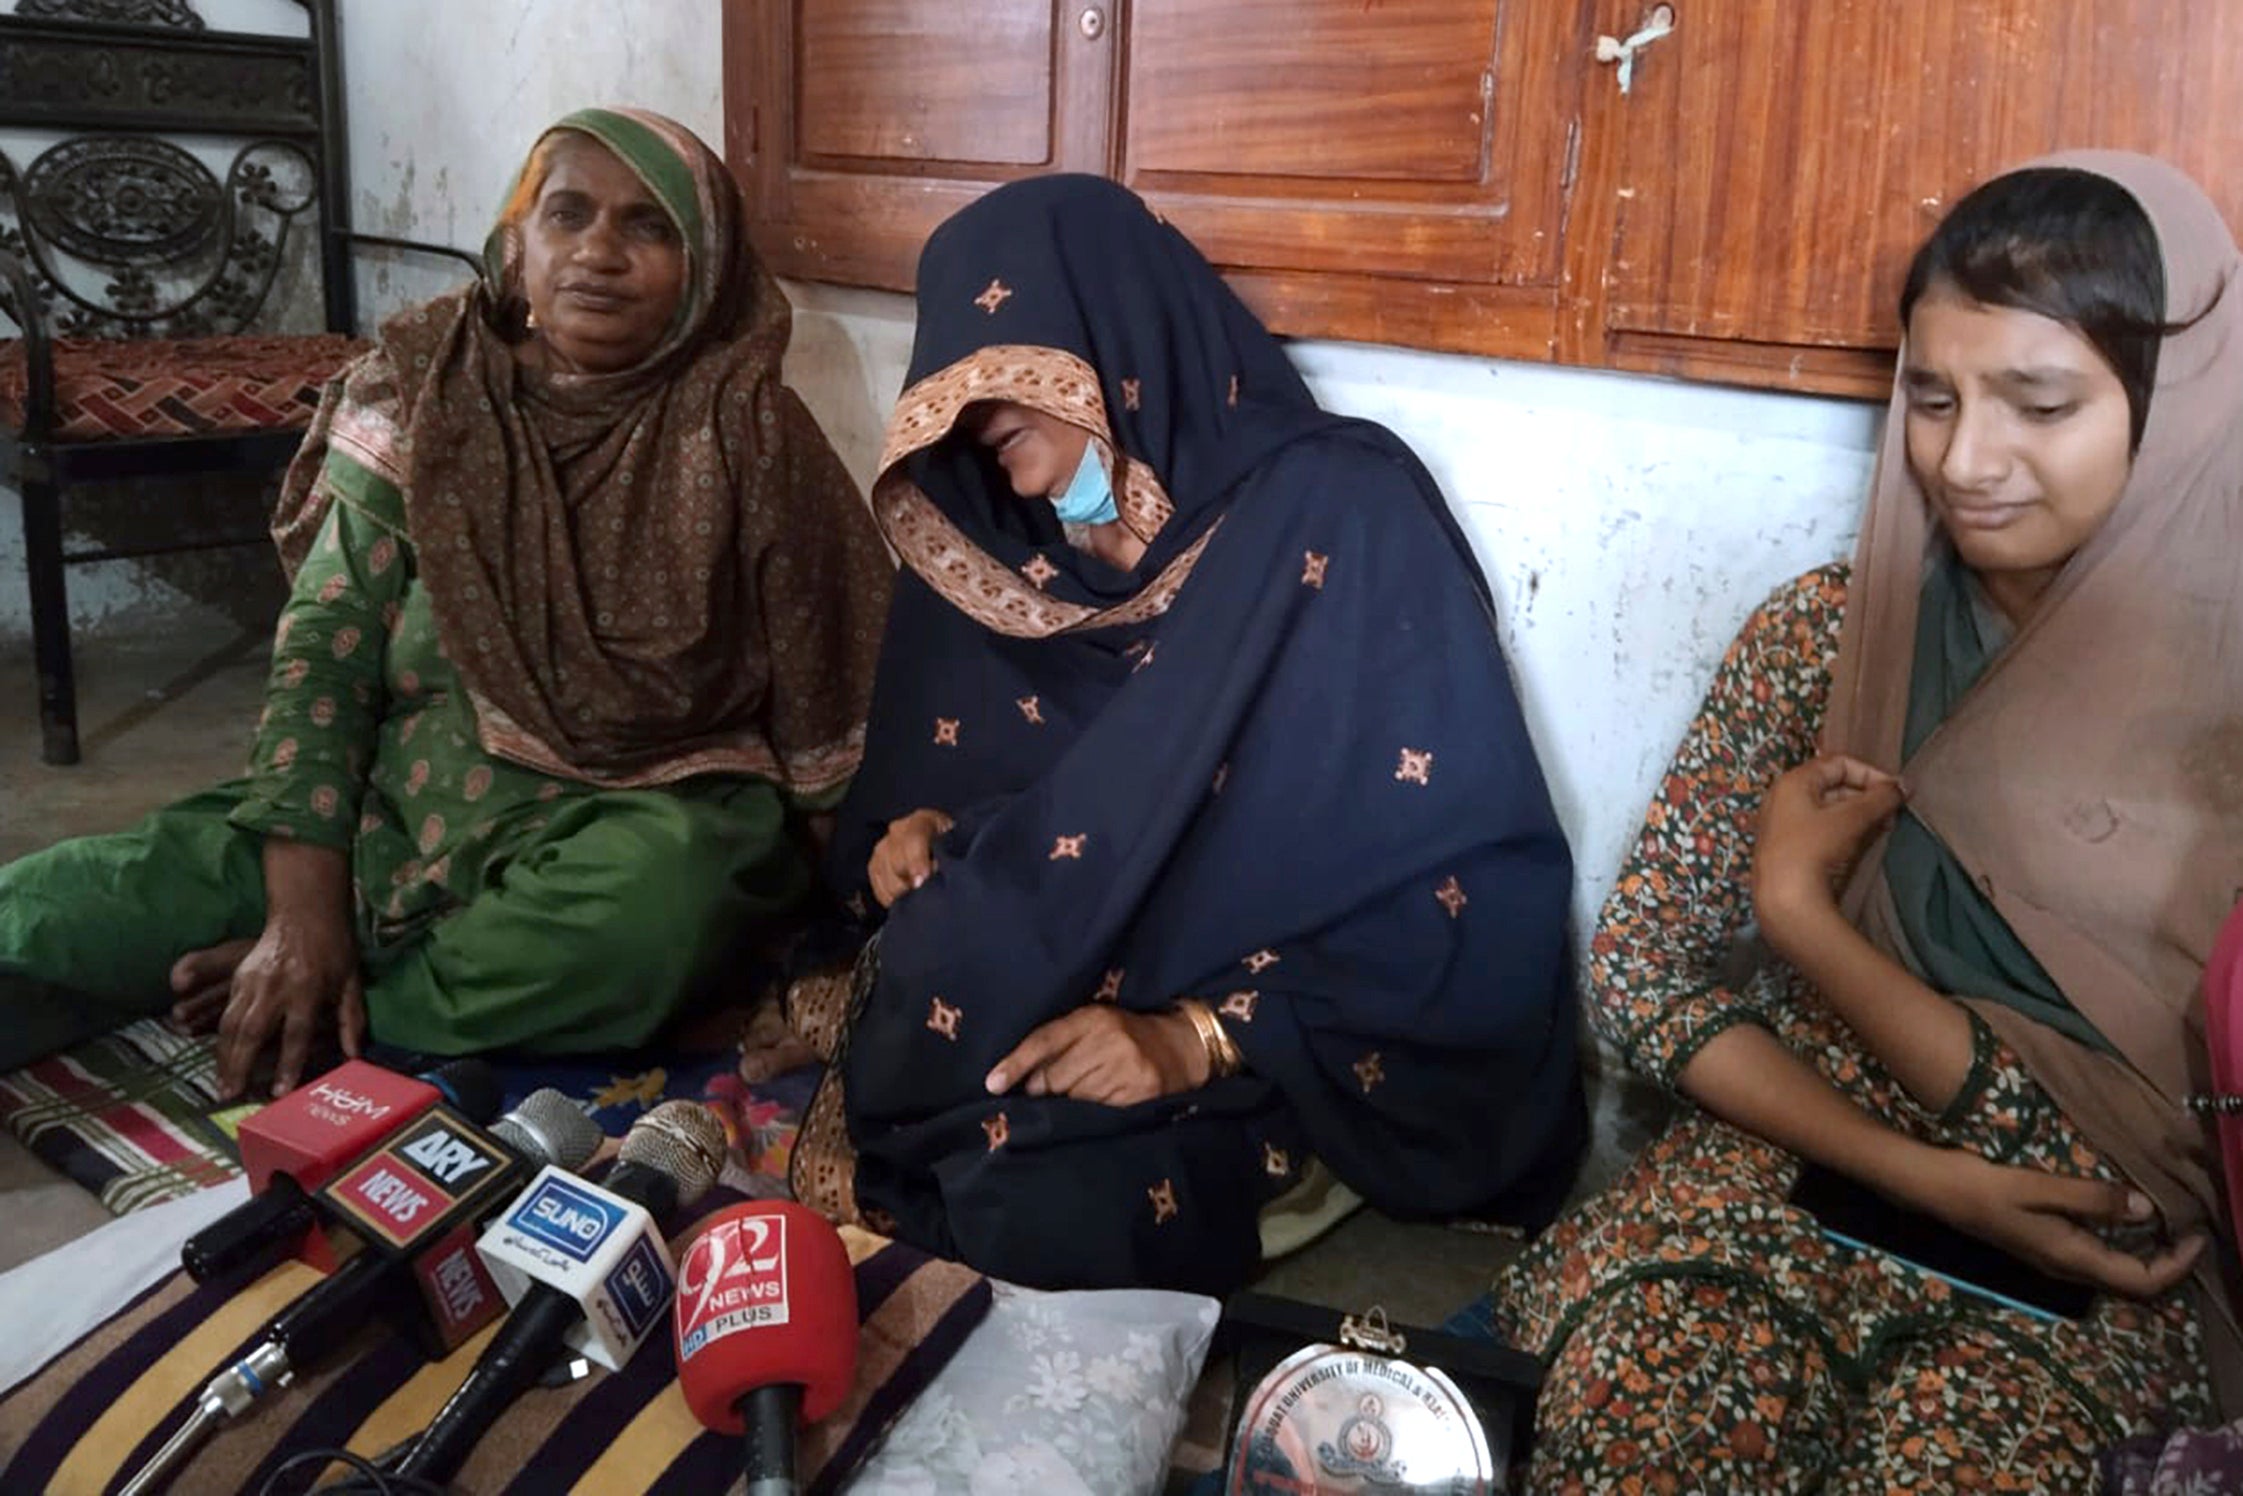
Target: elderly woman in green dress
x,y
583,621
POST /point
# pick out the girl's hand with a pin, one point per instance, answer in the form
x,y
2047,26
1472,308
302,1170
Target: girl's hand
x,y
1814,823
2048,1221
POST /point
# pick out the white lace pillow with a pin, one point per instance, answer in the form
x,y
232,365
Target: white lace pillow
x,y
1062,1394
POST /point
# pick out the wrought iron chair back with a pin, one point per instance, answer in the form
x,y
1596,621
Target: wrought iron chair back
x,y
185,254
186,183
118,228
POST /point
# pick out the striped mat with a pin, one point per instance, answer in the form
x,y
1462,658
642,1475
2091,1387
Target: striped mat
x,y
101,1407
130,1116
124,1115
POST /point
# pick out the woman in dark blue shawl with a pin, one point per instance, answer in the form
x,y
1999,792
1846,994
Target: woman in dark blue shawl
x,y
1210,831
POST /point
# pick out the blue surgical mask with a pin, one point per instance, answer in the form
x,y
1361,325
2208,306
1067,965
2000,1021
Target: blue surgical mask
x,y
1089,496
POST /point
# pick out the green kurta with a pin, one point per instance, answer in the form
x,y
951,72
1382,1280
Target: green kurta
x,y
360,678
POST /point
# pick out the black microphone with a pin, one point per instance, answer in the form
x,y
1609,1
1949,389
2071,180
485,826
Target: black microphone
x,y
293,1146
585,1266
415,1198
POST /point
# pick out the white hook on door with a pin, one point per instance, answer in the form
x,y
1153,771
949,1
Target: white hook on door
x,y
1612,49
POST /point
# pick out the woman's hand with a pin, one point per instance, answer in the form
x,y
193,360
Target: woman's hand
x,y
905,857
1106,1054
300,975
1814,823
2048,1221
204,982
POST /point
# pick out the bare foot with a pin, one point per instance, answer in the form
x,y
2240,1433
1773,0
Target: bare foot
x,y
203,981
768,1047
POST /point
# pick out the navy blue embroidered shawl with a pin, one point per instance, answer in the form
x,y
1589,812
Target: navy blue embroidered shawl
x,y
1302,791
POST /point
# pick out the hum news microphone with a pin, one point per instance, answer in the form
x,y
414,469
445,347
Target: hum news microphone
x,y
585,1268
296,1144
415,1201
766,1326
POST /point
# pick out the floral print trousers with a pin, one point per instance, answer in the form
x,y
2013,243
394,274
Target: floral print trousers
x,y
1702,1335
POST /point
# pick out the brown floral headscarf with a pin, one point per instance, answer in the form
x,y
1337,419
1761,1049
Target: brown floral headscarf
x,y
639,576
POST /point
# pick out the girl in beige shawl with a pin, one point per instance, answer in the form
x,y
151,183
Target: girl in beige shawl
x,y
1984,796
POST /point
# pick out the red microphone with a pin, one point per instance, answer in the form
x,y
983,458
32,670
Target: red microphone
x,y
766,1319
297,1144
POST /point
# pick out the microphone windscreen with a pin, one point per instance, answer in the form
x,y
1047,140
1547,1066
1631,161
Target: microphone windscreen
x,y
471,1086
765,1297
548,1128
682,1139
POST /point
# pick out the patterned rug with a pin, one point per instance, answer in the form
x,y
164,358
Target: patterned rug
x,y
134,1116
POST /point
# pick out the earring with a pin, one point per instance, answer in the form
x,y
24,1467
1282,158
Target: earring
x,y
529,320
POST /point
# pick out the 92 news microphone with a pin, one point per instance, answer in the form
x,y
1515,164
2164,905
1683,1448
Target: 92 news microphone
x,y
417,1199
301,1141
585,1268
766,1322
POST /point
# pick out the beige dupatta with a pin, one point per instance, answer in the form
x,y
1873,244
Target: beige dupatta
x,y
2092,781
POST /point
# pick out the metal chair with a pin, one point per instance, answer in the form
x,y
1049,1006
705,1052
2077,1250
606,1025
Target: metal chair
x,y
142,276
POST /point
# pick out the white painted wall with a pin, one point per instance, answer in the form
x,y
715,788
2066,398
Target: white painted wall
x,y
446,96
1627,524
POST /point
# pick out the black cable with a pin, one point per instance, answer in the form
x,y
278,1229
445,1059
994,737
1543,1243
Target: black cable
x,y
371,1479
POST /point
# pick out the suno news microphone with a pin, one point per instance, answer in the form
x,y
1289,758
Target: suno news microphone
x,y
417,1199
296,1144
766,1321
417,1203
584,1266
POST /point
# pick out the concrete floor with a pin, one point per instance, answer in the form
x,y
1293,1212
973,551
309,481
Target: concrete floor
x,y
166,708
162,711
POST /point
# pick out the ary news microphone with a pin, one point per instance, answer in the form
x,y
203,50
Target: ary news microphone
x,y
296,1144
584,1267
416,1203
416,1199
766,1321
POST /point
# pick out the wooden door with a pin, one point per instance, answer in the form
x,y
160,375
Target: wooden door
x,y
1776,163
1393,171
857,126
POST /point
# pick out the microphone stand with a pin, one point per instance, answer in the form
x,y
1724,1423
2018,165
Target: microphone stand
x,y
227,1395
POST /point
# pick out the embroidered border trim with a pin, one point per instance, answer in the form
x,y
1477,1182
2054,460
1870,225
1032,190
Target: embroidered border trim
x,y
1143,503
803,773
995,596
969,578
1046,379
368,437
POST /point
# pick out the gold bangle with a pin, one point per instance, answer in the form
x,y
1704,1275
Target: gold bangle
x,y
1223,1058
1233,1060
